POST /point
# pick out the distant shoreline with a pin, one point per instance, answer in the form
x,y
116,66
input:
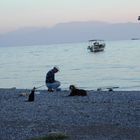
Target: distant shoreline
x,y
70,32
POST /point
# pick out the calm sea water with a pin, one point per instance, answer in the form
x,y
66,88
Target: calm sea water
x,y
118,65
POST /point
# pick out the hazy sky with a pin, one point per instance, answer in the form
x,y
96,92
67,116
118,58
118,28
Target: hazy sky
x,y
25,13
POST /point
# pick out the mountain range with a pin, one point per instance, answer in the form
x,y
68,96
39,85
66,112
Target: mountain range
x,y
70,32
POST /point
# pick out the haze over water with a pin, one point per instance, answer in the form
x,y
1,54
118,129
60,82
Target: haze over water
x,y
118,65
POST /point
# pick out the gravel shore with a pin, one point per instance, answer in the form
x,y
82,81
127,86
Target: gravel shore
x,y
101,115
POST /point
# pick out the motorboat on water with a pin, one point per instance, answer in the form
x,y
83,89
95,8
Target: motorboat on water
x,y
96,45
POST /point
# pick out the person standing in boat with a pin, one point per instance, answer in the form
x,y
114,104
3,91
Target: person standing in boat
x,y
50,81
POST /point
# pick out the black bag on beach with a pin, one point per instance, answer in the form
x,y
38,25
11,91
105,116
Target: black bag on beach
x,y
32,95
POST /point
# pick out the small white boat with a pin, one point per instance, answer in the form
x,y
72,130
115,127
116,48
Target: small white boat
x,y
96,45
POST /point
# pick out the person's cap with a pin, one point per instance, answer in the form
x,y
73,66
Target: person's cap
x,y
56,68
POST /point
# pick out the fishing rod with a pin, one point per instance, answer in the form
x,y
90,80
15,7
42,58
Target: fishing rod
x,y
39,87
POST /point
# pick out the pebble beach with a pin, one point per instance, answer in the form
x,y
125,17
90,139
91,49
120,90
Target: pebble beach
x,y
102,115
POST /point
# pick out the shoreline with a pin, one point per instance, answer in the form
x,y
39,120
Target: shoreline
x,y
100,115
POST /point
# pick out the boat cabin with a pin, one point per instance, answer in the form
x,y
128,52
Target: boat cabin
x,y
96,45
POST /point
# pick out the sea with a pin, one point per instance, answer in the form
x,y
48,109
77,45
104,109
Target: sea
x,y
117,66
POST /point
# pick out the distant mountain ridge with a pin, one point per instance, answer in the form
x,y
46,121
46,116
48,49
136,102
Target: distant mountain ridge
x,y
71,32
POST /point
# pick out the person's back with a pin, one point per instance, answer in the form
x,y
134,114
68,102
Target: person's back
x,y
50,77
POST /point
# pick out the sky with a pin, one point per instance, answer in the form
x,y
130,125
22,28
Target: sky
x,y
15,14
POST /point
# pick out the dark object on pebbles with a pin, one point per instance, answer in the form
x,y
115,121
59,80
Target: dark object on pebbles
x,y
106,88
77,92
32,95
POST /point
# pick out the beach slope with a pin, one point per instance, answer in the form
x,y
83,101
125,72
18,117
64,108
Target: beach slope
x,y
101,115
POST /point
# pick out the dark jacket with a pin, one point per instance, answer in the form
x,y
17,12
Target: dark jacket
x,y
50,77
